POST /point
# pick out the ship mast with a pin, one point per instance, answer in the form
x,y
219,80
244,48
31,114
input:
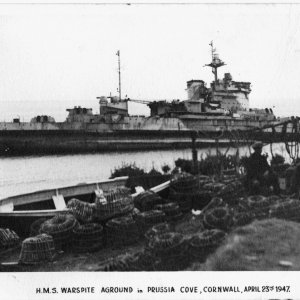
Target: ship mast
x,y
216,62
119,71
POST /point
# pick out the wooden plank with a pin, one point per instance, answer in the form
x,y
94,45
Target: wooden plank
x,y
59,202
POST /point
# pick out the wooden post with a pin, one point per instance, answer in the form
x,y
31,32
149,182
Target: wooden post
x,y
194,153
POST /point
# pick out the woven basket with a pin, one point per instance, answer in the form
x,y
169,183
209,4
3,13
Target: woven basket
x,y
36,226
88,237
121,232
147,219
218,218
156,230
83,211
184,183
169,251
243,218
214,187
190,225
37,249
60,227
113,204
288,210
147,200
8,238
214,203
203,244
184,200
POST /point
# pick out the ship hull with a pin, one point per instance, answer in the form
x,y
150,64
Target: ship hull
x,y
73,142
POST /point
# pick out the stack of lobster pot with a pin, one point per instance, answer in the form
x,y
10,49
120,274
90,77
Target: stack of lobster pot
x,y
147,200
205,243
8,238
113,204
258,204
88,237
168,251
60,227
218,218
184,190
38,249
121,232
157,230
214,187
231,192
83,211
254,207
288,210
147,219
171,210
36,226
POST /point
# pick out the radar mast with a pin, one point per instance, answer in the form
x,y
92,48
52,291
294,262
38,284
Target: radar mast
x,y
216,62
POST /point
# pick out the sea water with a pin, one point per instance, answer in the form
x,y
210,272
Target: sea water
x,y
20,175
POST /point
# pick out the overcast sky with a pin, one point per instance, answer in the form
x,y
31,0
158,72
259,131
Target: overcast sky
x,y
55,57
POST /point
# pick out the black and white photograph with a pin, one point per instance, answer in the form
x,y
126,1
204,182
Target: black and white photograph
x,y
149,141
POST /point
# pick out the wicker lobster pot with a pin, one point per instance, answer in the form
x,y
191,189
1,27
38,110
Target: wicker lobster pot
x,y
288,210
37,249
8,238
169,251
184,183
184,200
231,192
82,211
243,218
114,203
258,205
36,226
60,227
121,232
218,218
171,210
147,219
184,189
147,201
88,237
214,187
205,243
157,230
190,225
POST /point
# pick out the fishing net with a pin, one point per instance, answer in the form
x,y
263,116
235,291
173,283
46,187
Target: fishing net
x,y
37,249
88,237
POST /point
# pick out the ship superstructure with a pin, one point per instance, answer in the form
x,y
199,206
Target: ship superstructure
x,y
223,106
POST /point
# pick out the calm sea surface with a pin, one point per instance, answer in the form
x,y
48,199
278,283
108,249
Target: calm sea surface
x,y
27,174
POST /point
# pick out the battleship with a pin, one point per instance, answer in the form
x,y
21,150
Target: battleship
x,y
211,112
